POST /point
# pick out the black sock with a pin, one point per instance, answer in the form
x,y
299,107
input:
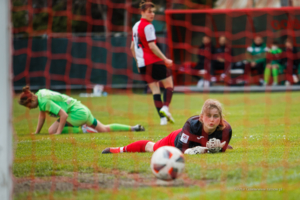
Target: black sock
x,y
168,93
158,103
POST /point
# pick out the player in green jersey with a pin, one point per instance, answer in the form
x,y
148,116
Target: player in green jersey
x,y
71,112
256,56
274,64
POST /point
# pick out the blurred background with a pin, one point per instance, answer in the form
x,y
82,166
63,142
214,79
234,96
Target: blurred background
x,y
61,44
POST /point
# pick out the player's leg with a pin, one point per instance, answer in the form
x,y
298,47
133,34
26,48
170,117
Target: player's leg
x,y
138,146
145,145
97,126
68,128
275,73
267,74
53,128
168,93
155,89
113,127
261,69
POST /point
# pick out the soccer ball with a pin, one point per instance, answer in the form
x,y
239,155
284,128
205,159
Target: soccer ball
x,y
167,163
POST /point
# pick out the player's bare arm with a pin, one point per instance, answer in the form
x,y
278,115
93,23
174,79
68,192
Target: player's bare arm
x,y
63,119
133,54
41,121
157,52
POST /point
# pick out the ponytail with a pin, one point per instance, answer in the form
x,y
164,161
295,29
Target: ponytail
x,y
26,96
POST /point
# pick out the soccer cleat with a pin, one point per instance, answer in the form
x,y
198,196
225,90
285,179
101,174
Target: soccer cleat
x,y
83,128
165,112
265,84
87,129
138,127
163,121
111,150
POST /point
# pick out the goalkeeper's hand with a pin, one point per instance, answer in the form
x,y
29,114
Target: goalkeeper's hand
x,y
196,150
214,145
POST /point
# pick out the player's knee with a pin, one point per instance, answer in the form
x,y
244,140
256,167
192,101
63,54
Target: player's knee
x,y
149,147
106,128
102,128
51,130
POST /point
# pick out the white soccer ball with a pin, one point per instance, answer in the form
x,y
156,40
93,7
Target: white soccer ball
x,y
167,163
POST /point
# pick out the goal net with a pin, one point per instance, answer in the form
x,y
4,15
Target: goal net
x,y
71,46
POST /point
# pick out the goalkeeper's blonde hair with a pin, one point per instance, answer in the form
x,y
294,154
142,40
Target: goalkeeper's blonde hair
x,y
212,103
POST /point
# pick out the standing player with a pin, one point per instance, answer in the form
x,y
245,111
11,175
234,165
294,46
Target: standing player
x,y
152,62
71,113
291,62
256,54
201,133
274,65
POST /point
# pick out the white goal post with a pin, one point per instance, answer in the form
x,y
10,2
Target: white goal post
x,y
5,102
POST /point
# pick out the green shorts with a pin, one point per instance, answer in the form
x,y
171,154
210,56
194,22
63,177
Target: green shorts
x,y
79,114
275,62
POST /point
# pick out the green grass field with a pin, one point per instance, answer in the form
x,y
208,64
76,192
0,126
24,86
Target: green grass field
x,y
264,164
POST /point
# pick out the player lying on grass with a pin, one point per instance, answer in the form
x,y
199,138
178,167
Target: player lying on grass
x,y
71,112
207,132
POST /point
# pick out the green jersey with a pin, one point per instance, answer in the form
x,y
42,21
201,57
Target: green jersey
x,y
258,52
52,102
275,50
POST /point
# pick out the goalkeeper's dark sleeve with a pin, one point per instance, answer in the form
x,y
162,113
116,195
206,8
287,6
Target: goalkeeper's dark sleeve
x,y
182,139
186,138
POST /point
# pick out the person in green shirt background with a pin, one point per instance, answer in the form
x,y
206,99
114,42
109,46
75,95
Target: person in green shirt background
x,y
257,57
274,65
71,112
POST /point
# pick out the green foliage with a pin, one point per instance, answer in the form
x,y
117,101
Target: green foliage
x,y
79,26
98,11
59,5
59,24
20,19
40,21
19,2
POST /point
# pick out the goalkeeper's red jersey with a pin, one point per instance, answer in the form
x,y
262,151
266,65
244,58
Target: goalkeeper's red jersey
x,y
143,32
192,135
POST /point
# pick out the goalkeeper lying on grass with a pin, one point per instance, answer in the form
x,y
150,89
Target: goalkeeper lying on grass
x,y
72,113
207,132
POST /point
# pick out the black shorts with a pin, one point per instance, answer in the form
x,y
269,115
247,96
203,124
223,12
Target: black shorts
x,y
155,72
259,68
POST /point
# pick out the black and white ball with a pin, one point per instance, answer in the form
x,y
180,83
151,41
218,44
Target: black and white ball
x,y
167,163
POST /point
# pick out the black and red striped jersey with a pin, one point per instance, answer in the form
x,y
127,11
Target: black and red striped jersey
x,y
143,32
192,135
